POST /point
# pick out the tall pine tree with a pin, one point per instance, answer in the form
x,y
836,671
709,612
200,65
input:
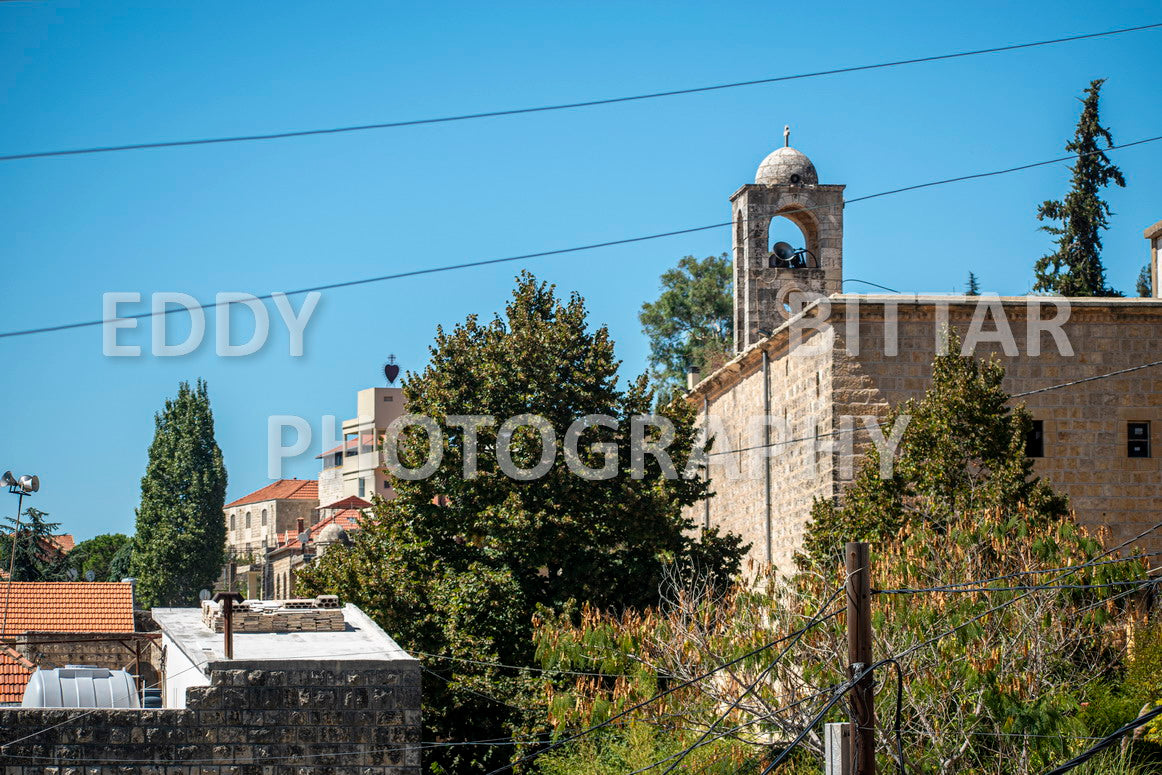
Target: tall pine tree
x,y
181,534
1075,267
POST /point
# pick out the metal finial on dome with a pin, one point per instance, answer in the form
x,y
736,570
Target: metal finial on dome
x,y
786,135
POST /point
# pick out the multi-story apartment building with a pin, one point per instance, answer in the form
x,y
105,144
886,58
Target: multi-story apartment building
x,y
354,467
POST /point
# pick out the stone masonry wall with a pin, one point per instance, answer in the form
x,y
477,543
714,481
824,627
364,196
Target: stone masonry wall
x,y
800,468
335,718
114,651
1085,425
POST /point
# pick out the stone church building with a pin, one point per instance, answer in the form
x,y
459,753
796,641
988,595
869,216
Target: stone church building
x,y
790,413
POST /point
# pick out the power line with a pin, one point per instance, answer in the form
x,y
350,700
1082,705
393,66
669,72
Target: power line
x,y
484,663
1106,742
1062,569
548,253
1150,365
643,703
817,619
1025,588
564,106
869,282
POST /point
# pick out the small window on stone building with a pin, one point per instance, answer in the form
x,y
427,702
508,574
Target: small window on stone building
x,y
818,385
1035,440
1138,439
231,521
389,398
264,517
248,519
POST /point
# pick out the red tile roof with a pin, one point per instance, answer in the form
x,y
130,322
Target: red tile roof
x,y
283,489
58,606
350,502
348,519
15,671
65,542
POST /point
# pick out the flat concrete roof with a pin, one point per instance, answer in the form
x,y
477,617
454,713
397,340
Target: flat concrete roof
x,y
363,645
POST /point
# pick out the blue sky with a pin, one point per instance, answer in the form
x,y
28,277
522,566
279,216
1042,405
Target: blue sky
x,y
280,215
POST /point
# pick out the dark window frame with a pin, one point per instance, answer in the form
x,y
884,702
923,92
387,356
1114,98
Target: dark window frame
x,y
1138,439
1035,440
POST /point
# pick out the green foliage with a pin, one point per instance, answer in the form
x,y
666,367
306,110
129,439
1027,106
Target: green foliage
x,y
1145,285
1075,267
456,566
96,554
1016,663
973,286
121,564
963,451
692,322
179,548
30,550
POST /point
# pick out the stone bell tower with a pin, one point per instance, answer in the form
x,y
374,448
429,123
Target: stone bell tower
x,y
773,282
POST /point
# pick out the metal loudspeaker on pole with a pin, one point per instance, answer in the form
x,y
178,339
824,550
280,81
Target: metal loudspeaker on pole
x,y
25,485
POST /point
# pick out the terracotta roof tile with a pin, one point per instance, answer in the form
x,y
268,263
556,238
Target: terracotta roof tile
x,y
348,519
59,606
350,502
283,489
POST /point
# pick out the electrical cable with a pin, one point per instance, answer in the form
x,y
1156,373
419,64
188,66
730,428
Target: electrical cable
x,y
899,714
540,254
1106,742
815,621
752,722
1023,588
643,703
562,106
868,282
1018,574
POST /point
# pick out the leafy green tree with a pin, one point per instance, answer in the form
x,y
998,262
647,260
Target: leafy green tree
x,y
181,535
962,451
457,566
1075,267
1145,284
31,551
96,555
973,287
692,322
1011,662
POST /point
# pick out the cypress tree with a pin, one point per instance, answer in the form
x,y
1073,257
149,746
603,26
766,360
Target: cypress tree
x,y
973,287
1075,267
181,534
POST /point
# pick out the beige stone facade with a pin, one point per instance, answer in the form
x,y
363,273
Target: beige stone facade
x,y
786,413
355,468
849,370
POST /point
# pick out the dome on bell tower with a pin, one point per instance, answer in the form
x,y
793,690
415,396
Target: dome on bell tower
x,y
786,167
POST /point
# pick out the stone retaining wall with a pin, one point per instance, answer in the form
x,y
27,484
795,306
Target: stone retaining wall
x,y
337,718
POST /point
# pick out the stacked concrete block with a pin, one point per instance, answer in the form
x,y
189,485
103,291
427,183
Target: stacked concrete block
x,y
317,615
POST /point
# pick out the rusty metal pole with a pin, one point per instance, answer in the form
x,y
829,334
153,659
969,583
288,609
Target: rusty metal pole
x,y
228,625
859,658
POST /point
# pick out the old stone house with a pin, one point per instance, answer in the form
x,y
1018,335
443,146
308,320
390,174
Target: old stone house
x,y
55,623
309,687
787,411
336,524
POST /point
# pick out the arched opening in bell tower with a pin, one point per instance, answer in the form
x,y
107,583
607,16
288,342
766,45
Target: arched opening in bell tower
x,y
795,227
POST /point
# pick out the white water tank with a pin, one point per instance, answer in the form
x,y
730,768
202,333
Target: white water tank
x,y
79,686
